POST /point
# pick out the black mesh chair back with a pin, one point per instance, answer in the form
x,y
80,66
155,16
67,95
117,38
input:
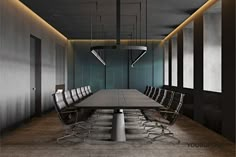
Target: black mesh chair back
x,y
151,92
59,101
148,90
86,90
83,92
175,107
79,93
156,93
160,96
89,88
74,95
177,101
60,106
68,99
166,102
145,91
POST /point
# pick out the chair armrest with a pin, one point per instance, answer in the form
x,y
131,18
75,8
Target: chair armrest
x,y
163,109
71,108
169,112
64,112
74,111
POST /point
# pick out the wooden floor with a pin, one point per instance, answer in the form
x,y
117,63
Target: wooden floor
x,y
38,139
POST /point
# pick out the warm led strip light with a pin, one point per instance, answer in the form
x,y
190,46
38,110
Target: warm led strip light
x,y
114,40
202,9
207,5
22,6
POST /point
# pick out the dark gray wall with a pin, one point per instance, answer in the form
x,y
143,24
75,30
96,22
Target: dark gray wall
x,y
16,26
226,98
228,66
212,51
118,73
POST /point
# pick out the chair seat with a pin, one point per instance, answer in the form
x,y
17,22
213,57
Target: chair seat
x,y
154,115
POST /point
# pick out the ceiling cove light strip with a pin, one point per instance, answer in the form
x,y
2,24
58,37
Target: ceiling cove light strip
x,y
114,40
201,10
22,6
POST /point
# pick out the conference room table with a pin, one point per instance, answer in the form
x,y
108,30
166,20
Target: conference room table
x,y
118,99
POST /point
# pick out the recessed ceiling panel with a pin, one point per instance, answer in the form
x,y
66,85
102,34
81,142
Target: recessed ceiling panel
x,y
74,18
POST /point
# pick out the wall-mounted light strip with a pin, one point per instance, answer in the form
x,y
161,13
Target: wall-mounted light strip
x,y
23,7
200,11
98,57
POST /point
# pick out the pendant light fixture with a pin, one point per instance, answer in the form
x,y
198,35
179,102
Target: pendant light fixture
x,y
143,49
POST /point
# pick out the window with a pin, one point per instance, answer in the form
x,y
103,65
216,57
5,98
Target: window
x,y
188,60
174,59
166,63
212,58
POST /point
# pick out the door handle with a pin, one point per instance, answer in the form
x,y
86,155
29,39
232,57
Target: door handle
x,y
34,89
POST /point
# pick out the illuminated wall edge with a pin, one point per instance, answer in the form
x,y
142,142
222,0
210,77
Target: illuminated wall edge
x,y
113,40
200,11
25,8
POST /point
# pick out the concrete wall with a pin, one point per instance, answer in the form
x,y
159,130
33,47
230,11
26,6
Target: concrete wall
x,y
174,62
166,63
118,73
188,57
212,52
17,23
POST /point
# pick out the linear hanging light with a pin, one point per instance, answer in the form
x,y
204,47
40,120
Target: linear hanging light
x,y
98,57
140,56
143,49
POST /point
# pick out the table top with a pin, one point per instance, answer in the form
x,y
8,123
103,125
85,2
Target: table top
x,y
118,99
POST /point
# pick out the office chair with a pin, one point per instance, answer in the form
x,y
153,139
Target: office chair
x,y
86,90
167,100
145,91
70,119
83,92
161,95
79,93
68,99
74,95
156,93
151,92
166,118
148,90
89,88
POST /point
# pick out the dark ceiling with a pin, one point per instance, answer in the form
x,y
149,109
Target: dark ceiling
x,y
74,18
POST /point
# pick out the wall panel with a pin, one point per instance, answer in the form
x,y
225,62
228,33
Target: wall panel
x,y
118,73
87,69
17,23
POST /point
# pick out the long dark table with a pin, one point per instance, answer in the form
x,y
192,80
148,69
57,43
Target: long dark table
x,y
118,99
